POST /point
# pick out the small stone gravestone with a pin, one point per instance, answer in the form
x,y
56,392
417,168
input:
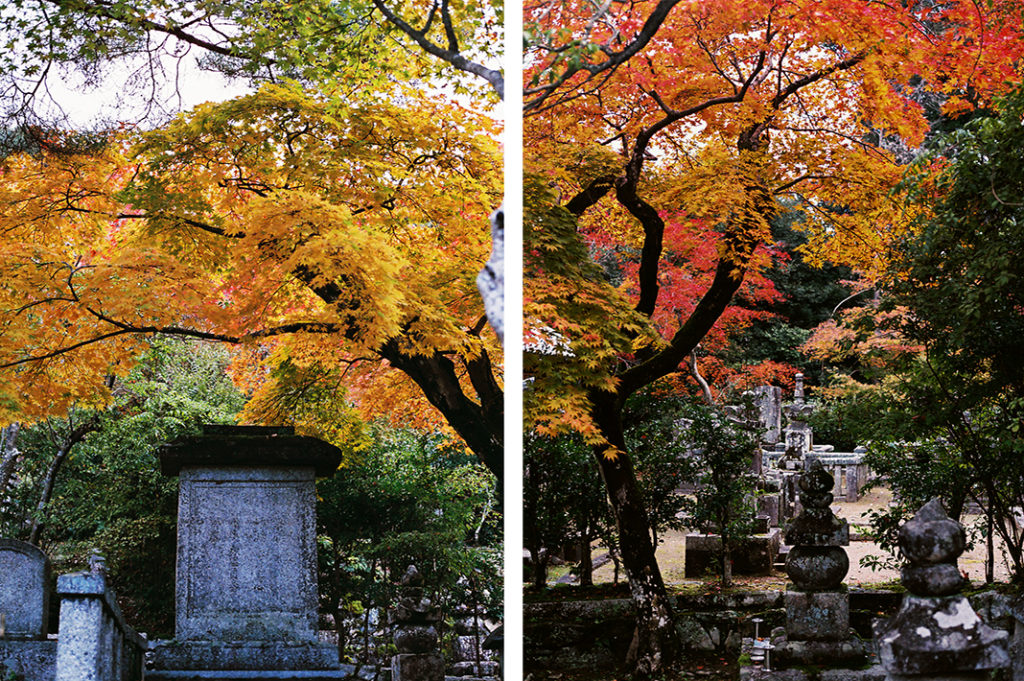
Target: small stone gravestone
x,y
24,590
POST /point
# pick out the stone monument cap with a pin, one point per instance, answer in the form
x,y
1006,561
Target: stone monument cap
x,y
219,446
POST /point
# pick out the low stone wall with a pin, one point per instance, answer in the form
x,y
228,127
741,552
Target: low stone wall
x,y
571,635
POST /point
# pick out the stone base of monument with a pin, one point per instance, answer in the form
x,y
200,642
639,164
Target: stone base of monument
x,y
848,653
29,659
816,615
872,674
243,655
346,673
935,634
754,556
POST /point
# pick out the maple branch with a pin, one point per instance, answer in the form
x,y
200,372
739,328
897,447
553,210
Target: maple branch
x,y
578,204
64,350
106,10
453,57
796,85
614,60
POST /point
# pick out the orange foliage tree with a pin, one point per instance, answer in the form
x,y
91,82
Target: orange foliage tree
x,y
640,113
315,236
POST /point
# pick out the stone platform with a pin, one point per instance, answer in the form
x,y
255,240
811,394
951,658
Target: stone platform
x,y
345,673
244,656
754,555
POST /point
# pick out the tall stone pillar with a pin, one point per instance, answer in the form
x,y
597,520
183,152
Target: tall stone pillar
x,y
246,584
936,633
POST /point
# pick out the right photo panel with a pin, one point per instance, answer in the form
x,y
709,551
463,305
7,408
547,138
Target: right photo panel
x,y
772,317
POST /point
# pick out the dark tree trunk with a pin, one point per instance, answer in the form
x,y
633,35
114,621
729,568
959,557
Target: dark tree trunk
x,y
656,644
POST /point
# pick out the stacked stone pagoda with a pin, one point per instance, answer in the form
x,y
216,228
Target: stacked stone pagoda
x,y
936,633
416,639
817,603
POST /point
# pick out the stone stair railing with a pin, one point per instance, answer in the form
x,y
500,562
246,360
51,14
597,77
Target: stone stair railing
x,y
94,642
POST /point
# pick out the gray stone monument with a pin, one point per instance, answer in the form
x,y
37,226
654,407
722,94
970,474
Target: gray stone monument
x,y
798,434
246,584
768,400
936,633
24,612
817,604
24,590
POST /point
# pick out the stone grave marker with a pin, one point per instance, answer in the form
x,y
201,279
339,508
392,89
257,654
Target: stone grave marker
x,y
24,590
246,583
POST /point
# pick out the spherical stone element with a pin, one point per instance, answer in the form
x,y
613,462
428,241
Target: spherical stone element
x,y
817,568
932,580
931,537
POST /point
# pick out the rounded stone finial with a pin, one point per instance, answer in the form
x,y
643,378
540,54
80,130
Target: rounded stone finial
x,y
412,577
816,486
932,542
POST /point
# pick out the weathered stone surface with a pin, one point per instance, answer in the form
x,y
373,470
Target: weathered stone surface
x,y
932,537
935,635
416,639
754,555
817,568
932,542
94,642
29,660
246,554
485,668
849,652
817,615
244,655
417,668
250,446
24,589
932,580
246,596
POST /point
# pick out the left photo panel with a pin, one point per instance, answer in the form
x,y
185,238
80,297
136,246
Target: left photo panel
x,y
251,340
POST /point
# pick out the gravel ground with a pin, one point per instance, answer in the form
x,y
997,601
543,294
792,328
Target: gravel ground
x,y
671,553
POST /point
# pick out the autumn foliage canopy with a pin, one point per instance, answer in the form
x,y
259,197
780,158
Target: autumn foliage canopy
x,y
308,234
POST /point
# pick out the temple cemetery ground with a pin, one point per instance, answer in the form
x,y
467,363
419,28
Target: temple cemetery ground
x,y
672,555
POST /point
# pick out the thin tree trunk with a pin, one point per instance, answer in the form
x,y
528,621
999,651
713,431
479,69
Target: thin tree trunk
x,y
586,561
38,524
8,459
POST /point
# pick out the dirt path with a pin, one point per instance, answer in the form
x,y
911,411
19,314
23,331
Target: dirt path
x,y
672,553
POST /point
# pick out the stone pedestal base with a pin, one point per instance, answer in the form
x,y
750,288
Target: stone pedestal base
x,y
872,674
412,667
848,652
817,615
938,635
29,659
754,556
244,655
